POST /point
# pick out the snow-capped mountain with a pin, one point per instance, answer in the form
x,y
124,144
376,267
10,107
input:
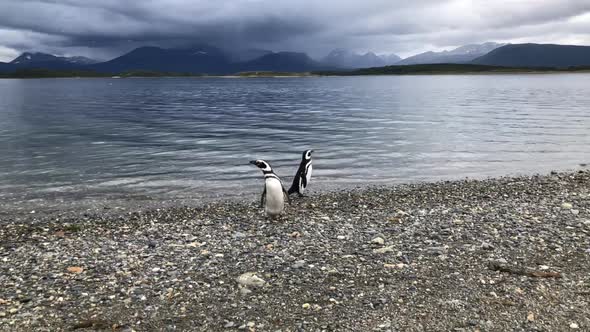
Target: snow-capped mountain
x,y
462,54
28,59
343,58
80,60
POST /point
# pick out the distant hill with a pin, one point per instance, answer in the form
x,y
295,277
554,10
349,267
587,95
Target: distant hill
x,y
537,55
201,59
343,58
281,62
446,69
204,60
463,54
49,61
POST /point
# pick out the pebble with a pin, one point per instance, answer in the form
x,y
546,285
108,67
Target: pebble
x,y
378,241
574,326
501,261
530,317
355,286
245,291
487,246
383,250
436,250
298,264
250,279
566,206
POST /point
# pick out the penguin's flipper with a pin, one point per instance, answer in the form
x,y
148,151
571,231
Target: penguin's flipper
x,y
263,197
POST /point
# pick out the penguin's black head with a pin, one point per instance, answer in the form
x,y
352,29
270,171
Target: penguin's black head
x,y
263,165
307,154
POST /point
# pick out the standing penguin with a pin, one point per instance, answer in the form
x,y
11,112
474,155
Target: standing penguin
x,y
303,175
273,196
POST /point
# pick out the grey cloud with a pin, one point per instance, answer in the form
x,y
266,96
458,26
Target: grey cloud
x,y
110,27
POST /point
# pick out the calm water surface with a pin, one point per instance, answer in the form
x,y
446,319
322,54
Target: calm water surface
x,y
66,139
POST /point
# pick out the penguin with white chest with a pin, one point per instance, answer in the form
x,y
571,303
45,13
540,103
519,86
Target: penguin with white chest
x,y
303,175
273,196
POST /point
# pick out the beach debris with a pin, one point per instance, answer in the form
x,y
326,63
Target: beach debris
x,y
496,266
75,269
92,323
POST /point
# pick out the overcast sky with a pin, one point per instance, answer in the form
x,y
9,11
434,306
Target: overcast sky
x,y
106,28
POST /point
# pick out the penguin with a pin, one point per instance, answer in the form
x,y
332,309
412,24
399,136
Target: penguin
x,y
273,196
303,175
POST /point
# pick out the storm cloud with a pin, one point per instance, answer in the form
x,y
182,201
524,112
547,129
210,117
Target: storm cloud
x,y
107,28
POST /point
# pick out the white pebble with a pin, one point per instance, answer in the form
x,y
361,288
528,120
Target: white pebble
x,y
250,279
378,240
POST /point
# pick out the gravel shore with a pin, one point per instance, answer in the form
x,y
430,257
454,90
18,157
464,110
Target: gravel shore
x,y
507,254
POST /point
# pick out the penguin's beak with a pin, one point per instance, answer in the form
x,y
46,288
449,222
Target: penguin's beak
x,y
253,162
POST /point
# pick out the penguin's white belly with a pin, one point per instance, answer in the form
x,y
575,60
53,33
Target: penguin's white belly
x,y
307,175
275,202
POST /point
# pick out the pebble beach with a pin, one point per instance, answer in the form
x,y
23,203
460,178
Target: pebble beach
x,y
503,254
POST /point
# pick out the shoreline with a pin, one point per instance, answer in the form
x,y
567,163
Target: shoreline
x,y
498,254
503,73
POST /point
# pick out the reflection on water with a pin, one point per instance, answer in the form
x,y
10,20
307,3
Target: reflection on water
x,y
171,138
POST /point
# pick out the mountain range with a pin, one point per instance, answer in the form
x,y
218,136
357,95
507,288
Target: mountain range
x,y
204,59
200,59
463,54
48,61
346,59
